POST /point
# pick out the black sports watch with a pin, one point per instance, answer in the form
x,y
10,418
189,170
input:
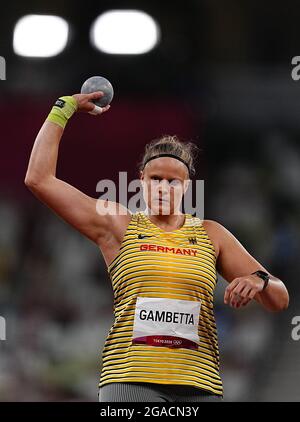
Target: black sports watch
x,y
264,276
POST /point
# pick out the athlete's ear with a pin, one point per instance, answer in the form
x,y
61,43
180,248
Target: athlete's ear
x,y
141,175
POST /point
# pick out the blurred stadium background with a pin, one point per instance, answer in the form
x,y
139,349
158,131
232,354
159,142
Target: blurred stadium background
x,y
221,76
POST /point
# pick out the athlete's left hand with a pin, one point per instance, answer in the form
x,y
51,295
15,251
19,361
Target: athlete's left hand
x,y
242,290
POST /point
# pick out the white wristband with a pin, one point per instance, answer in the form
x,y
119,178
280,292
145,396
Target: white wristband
x,y
97,110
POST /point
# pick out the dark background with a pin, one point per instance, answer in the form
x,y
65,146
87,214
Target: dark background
x,y
220,76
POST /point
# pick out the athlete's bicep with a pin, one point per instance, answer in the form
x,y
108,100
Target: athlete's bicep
x,y
79,210
233,259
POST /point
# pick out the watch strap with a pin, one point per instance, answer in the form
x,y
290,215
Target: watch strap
x,y
264,276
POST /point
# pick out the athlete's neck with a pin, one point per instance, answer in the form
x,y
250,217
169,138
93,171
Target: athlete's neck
x,y
166,221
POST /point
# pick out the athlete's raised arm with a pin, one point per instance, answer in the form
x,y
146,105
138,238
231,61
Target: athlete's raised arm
x,y
69,203
236,265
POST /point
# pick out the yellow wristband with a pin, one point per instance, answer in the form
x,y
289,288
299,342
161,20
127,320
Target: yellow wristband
x,y
62,111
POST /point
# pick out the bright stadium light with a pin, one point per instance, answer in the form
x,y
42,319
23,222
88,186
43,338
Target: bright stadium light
x,y
124,32
40,36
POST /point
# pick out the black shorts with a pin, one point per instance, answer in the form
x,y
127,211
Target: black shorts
x,y
149,392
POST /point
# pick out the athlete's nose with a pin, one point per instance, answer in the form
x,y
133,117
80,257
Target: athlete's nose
x,y
164,189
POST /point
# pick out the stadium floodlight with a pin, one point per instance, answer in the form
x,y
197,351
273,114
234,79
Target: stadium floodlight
x,y
124,32
40,35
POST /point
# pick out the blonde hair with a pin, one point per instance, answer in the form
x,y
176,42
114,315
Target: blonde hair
x,y
167,144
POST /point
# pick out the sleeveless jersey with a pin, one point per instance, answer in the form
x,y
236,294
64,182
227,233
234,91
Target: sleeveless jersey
x,y
153,263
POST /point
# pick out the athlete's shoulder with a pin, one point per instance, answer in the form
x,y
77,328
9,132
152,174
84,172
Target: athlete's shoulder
x,y
210,225
216,229
216,232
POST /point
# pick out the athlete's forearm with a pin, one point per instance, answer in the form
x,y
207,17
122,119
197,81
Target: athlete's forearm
x,y
275,297
43,159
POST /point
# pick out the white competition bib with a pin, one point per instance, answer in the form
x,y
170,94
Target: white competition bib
x,y
166,322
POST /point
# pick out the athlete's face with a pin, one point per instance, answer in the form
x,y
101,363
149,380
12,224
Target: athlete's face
x,y
164,181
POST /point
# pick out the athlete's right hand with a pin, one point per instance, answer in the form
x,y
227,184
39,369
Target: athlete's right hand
x,y
85,104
